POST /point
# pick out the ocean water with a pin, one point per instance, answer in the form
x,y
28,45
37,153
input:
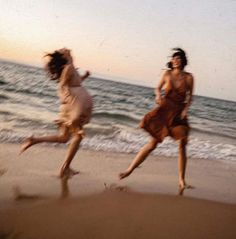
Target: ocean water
x,y
29,104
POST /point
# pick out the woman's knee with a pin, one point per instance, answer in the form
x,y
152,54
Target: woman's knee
x,y
64,138
78,136
151,146
183,142
64,134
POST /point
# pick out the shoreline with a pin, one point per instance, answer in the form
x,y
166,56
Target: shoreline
x,y
211,180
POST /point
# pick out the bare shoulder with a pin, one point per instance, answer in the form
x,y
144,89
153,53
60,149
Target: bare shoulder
x,y
66,73
68,68
166,75
189,76
189,79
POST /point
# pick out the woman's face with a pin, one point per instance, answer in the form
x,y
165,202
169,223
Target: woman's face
x,y
176,62
66,54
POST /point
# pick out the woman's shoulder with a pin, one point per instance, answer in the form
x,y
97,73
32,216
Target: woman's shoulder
x,y
189,78
188,74
68,67
68,70
166,74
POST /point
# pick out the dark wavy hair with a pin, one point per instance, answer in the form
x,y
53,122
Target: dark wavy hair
x,y
181,53
55,65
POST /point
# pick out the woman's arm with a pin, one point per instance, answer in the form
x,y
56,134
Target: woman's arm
x,y
190,83
66,74
159,88
86,75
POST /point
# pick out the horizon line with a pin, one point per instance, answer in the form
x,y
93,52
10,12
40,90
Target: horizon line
x,y
108,78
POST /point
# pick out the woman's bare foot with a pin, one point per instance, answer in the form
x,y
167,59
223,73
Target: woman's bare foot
x,y
26,144
182,187
182,184
68,172
125,174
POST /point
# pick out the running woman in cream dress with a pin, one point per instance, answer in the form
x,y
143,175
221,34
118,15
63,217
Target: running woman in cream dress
x,y
75,108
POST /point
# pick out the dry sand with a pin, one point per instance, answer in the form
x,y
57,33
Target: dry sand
x,y
35,203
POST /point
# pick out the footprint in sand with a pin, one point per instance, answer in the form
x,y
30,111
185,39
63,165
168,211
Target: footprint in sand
x,y
115,187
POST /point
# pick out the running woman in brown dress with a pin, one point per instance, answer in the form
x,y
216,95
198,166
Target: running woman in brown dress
x,y
75,109
169,118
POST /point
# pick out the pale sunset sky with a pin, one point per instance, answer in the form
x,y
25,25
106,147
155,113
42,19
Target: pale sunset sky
x,y
127,40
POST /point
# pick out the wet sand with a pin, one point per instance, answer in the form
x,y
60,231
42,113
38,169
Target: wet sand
x,y
35,203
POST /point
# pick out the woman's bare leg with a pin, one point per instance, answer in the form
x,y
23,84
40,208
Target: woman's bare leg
x,y
140,157
62,137
73,148
182,162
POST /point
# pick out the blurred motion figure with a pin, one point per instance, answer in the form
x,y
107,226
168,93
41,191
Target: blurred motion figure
x,y
75,108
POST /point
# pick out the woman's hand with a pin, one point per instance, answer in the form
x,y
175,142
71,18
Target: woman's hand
x,y
158,100
184,113
87,73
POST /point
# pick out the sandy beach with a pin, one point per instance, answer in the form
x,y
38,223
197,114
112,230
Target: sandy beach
x,y
35,203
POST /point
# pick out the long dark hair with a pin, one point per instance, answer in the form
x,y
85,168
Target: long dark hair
x,y
55,65
181,53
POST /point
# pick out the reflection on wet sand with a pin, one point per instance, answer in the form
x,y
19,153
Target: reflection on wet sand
x,y
2,171
9,235
22,196
65,192
19,195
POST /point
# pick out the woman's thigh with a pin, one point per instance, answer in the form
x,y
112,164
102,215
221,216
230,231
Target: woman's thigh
x,y
179,132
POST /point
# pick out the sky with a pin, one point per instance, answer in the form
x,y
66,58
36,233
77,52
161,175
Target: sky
x,y
127,40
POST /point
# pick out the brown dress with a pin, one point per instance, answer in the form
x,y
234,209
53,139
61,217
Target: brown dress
x,y
76,103
161,121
